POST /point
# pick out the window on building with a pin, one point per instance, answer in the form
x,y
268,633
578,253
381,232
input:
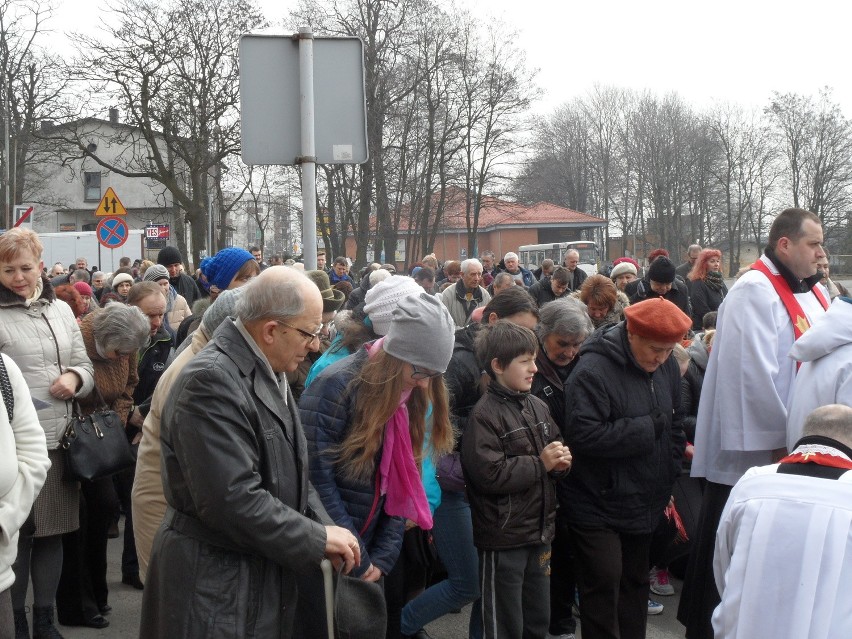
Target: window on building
x,y
92,186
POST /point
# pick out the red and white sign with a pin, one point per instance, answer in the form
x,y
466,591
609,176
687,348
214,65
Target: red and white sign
x,y
112,232
157,232
22,214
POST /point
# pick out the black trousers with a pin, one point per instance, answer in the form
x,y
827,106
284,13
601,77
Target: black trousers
x,y
612,578
562,582
700,596
124,487
83,583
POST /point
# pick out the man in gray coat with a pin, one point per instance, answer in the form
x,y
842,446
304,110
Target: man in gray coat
x,y
242,518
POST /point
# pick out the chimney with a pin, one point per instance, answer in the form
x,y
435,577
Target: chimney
x,y
113,115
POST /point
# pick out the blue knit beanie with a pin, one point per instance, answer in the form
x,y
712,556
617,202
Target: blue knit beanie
x,y
220,269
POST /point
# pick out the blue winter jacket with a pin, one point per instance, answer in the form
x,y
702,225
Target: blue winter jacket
x,y
326,409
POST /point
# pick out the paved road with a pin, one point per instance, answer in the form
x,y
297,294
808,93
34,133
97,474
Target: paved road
x,y
126,603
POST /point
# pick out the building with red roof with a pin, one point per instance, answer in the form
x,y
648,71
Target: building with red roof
x,y
503,227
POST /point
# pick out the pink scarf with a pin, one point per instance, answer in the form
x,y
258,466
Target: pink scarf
x,y
401,484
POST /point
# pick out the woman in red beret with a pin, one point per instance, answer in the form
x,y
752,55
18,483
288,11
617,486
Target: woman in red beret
x,y
623,424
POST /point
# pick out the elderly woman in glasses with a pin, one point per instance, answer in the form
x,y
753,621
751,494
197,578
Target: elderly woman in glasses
x,y
112,336
365,419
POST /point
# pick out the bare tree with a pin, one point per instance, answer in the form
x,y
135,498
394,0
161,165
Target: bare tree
x,y
498,91
817,142
32,81
172,68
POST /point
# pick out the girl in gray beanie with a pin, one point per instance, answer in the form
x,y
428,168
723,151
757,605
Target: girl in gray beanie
x,y
365,419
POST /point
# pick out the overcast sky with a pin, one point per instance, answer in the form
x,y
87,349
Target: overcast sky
x,y
728,50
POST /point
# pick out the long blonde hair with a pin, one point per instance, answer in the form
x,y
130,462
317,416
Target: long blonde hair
x,y
379,386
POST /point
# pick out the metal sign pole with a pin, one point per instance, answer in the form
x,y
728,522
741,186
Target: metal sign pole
x,y
308,157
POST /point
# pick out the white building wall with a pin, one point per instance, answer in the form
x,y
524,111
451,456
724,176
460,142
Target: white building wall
x,y
61,204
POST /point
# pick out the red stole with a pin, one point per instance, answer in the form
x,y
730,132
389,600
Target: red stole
x,y
823,459
794,309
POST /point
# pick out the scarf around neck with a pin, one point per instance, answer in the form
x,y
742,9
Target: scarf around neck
x,y
469,299
400,480
714,281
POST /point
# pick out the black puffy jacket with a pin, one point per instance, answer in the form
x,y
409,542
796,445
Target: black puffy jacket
x,y
622,474
326,408
512,497
542,292
678,294
463,377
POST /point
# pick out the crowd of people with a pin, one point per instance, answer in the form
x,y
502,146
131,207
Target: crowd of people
x,y
473,432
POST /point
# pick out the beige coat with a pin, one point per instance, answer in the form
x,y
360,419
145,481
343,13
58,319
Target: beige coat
x,y
148,500
180,311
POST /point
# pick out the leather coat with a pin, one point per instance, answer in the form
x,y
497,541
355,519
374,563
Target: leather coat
x,y
241,515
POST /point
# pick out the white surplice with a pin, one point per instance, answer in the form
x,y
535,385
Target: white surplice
x,y
783,562
742,414
825,377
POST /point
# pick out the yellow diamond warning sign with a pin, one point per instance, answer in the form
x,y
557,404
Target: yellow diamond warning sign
x,y
110,205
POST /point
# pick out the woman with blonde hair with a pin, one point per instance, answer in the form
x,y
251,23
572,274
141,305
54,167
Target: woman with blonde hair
x,y
708,289
39,332
365,419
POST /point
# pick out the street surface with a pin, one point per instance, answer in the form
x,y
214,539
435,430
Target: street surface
x,y
127,602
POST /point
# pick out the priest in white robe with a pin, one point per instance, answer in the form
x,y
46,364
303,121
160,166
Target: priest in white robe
x,y
783,557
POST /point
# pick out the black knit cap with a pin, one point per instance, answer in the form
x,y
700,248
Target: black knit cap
x,y
661,270
169,255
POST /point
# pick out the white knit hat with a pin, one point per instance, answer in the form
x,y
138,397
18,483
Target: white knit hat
x,y
383,298
121,277
621,268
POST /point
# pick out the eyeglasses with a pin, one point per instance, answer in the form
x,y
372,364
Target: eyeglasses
x,y
309,337
423,374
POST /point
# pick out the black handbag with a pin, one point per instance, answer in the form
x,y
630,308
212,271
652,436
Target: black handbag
x,y
95,445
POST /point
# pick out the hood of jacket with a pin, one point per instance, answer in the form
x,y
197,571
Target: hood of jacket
x,y
10,298
698,353
466,337
611,341
830,331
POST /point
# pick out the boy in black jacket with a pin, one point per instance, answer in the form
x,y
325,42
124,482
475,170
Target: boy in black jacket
x,y
510,453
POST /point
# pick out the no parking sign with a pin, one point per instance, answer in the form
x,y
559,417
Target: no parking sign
x,y
112,232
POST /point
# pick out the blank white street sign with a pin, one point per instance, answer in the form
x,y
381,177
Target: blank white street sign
x,y
269,100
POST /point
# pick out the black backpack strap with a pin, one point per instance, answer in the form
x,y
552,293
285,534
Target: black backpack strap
x,y
6,387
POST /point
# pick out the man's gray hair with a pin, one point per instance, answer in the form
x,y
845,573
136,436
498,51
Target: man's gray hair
x,y
833,421
119,327
81,275
466,264
692,248
488,253
98,274
273,296
501,277
510,256
566,317
569,252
